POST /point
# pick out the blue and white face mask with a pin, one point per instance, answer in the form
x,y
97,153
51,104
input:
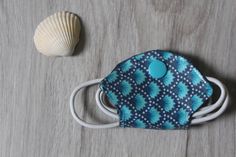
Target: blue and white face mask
x,y
156,90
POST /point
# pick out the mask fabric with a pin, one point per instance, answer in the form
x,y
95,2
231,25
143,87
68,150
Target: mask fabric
x,y
155,90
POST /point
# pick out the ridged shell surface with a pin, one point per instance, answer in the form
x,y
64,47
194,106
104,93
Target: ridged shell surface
x,y
58,34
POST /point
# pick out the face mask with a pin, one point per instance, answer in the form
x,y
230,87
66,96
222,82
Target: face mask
x,y
155,90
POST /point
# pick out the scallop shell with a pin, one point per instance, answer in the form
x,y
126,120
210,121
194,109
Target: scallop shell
x,y
58,34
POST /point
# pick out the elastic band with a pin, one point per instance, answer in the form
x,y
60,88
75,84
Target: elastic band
x,y
218,103
77,118
210,116
203,115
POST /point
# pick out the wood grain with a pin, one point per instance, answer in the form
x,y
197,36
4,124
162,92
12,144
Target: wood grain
x,y
34,89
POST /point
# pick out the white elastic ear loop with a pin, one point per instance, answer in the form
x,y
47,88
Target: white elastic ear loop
x,y
205,111
77,118
218,103
213,115
223,103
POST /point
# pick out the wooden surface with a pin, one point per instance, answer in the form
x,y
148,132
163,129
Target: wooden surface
x,y
35,120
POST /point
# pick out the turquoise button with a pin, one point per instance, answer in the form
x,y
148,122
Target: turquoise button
x,y
157,69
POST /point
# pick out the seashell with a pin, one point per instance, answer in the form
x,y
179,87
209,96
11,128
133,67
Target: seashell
x,y
58,34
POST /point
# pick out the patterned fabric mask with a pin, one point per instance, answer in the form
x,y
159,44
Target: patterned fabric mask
x,y
156,90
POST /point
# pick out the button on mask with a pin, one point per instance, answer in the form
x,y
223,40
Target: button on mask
x,y
155,90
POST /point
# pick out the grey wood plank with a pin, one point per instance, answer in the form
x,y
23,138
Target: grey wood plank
x,y
34,89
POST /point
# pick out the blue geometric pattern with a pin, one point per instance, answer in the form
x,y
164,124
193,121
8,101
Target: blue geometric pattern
x,y
157,90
